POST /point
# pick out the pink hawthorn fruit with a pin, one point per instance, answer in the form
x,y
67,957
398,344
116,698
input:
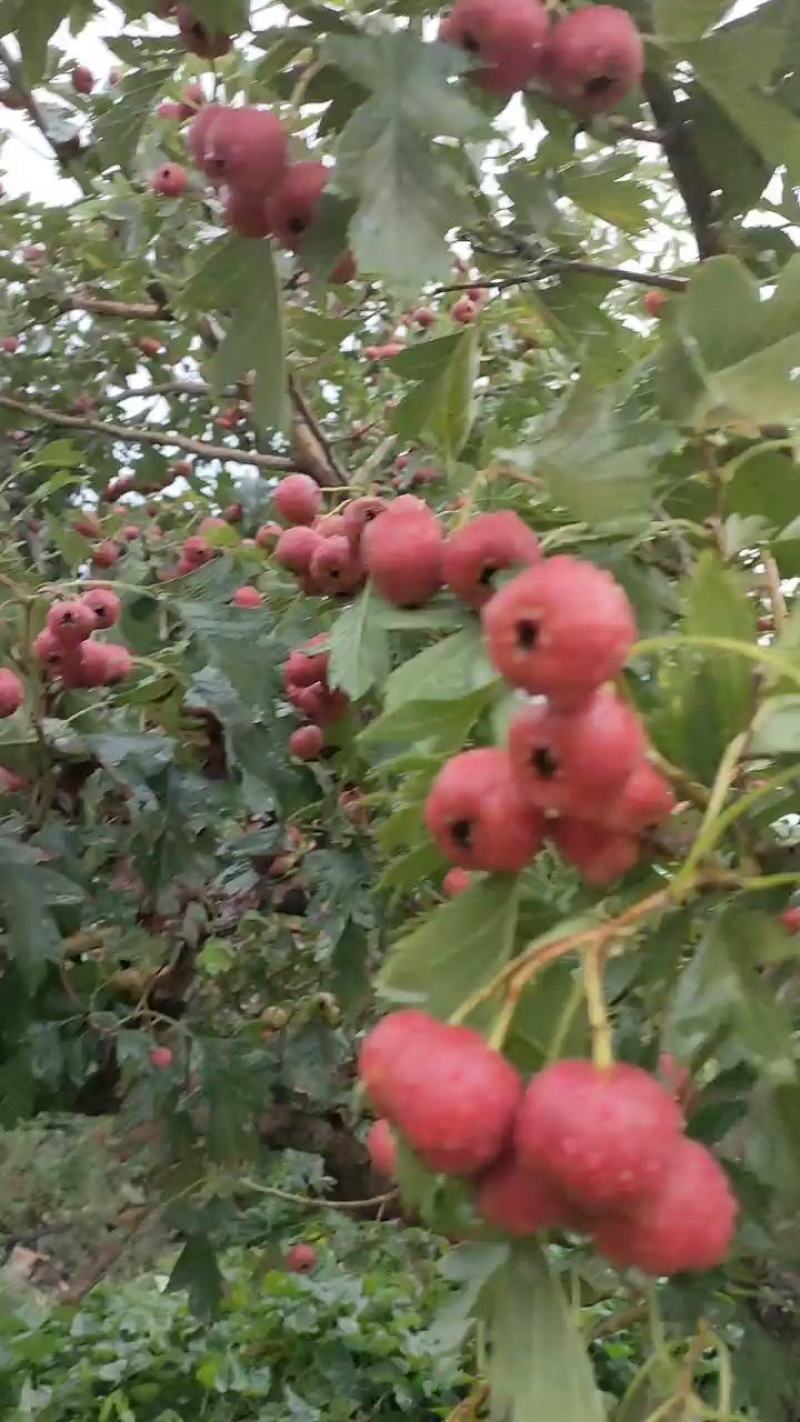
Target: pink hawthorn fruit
x,y
477,816
12,692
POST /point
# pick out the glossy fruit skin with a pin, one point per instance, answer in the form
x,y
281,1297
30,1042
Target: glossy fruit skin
x,y
603,1137
71,622
170,180
205,43
600,855
382,1149
243,148
86,666
82,79
301,1258
119,663
198,132
161,1057
12,692
518,1201
10,344
298,499
452,1096
463,311
685,1227
477,816
336,567
49,651
456,881
267,536
306,743
507,36
560,629
644,802
402,553
293,206
594,57
197,551
305,666
424,317
486,545
570,762
296,547
247,597
654,303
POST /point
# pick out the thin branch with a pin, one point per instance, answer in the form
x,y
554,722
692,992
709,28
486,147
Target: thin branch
x,y
315,1203
126,310
135,435
337,473
556,265
685,163
59,150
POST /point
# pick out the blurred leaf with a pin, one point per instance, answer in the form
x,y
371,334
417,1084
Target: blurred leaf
x,y
33,939
254,338
117,131
447,670
441,408
359,647
687,19
196,1270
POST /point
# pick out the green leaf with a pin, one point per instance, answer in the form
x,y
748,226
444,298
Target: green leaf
x,y
412,78
254,339
32,936
445,671
431,725
196,1270
457,949
117,131
687,19
603,189
35,25
359,647
539,1366
441,408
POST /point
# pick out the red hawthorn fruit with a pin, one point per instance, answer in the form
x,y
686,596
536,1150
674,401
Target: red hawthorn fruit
x,y
487,545
298,499
463,311
245,149
685,1227
209,524
119,663
306,743
10,344
336,567
296,547
86,666
361,512
82,405
305,667
197,551
570,761
117,488
594,57
451,1094
181,470
654,303
248,597
645,800
293,207
12,692
402,553
321,705
71,622
192,99
244,213
150,346
170,180
198,131
82,79
600,855
168,109
382,1149
426,474
507,36
790,919
161,1057
130,533
87,525
10,782
560,629
345,270
233,514
519,1201
477,816
330,525
301,1258
604,1137
424,317
198,38
352,806
456,881
267,536
49,652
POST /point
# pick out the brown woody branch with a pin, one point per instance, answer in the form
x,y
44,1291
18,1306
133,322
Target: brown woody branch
x,y
335,473
127,310
552,265
686,165
135,435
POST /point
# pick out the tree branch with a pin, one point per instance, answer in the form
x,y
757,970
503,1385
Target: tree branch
x,y
127,310
59,150
336,473
552,265
685,164
132,435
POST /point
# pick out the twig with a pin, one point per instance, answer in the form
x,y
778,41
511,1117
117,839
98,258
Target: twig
x,y
107,1257
60,151
127,310
312,1203
685,164
338,475
470,1406
775,591
555,265
619,1322
136,435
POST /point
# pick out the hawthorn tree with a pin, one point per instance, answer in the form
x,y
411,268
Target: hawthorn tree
x,y
400,496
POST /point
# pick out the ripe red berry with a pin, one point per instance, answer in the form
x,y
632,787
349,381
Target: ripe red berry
x,y
192,98
267,536
82,79
12,692
10,782
198,38
560,629
296,547
686,1226
82,405
403,554
603,1137
161,1057
244,213
197,551
456,881
170,180
424,317
298,499
645,800
361,512
790,918
382,1149
486,546
119,663
117,488
478,817
71,622
600,855
305,667
572,761
198,131
306,743
507,36
654,302
451,1094
301,1258
49,652
593,59
248,597
463,311
130,532
345,269
208,525
150,346
320,704
245,149
170,111
293,207
519,1201
336,567
10,344
86,666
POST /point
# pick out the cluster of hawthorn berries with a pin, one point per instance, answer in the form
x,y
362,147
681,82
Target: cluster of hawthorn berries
x,y
580,1147
305,680
66,647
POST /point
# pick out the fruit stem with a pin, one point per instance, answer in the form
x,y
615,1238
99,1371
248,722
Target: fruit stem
x,y
602,1046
